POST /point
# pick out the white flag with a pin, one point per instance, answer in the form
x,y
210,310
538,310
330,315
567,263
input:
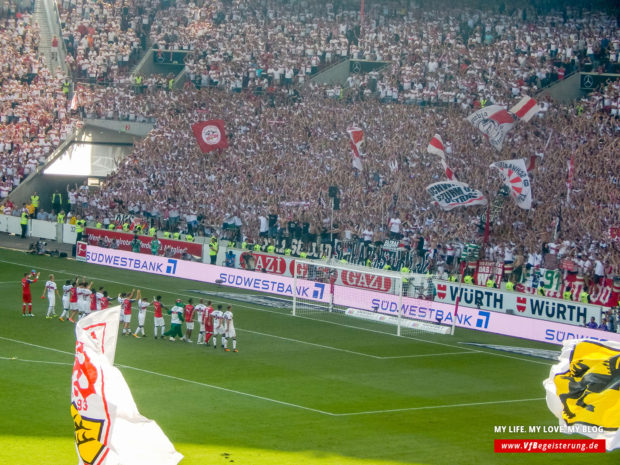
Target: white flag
x,y
516,178
109,430
494,122
436,147
583,389
525,109
451,194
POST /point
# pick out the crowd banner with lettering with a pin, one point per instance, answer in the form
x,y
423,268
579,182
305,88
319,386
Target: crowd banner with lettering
x,y
364,299
122,241
486,269
493,122
451,194
515,177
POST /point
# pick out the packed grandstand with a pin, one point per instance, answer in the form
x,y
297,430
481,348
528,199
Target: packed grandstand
x,y
250,64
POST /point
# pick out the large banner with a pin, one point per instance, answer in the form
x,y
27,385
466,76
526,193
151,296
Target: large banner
x,y
532,306
122,241
493,122
364,299
451,194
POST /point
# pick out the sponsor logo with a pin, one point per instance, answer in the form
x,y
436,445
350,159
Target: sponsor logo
x,y
441,291
171,268
521,303
366,281
317,292
483,320
80,250
269,264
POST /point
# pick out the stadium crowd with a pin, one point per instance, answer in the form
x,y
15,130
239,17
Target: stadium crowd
x,y
34,117
289,143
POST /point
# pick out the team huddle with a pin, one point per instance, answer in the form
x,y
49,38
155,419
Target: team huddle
x,y
79,299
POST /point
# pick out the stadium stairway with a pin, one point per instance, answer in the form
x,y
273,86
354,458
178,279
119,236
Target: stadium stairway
x,y
47,17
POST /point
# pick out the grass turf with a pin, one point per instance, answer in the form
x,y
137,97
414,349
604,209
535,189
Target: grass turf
x,y
299,391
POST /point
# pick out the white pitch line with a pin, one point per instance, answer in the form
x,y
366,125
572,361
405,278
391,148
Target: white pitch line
x,y
438,354
17,359
495,354
233,391
432,407
268,399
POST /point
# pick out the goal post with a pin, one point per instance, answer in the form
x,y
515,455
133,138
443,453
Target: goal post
x,y
369,298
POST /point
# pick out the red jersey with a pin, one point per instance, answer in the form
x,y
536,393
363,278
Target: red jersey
x,y
104,302
26,285
189,313
207,321
127,306
73,295
157,307
93,302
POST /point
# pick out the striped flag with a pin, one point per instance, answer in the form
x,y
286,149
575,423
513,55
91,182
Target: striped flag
x,y
436,146
526,109
356,139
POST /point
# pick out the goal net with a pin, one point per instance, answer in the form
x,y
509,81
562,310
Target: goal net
x,y
379,300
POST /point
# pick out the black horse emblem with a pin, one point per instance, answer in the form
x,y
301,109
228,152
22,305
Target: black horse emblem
x,y
583,382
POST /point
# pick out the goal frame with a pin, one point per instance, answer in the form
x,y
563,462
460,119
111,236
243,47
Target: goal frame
x,y
396,277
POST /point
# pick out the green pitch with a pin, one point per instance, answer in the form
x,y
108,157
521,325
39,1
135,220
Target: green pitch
x,y
298,392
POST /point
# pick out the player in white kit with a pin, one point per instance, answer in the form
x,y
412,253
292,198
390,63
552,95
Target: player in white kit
x,y
229,330
52,292
218,326
143,303
66,293
200,311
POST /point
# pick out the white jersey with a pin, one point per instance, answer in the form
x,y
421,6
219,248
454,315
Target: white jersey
x,y
84,299
217,319
50,287
227,322
142,305
99,298
200,311
66,291
175,318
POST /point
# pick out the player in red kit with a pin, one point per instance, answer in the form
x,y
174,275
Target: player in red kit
x,y
188,316
28,279
208,322
159,316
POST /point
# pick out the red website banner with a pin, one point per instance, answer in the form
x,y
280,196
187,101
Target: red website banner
x,y
550,446
178,248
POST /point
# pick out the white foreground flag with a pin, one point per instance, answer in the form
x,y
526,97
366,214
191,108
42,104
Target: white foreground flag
x,y
109,430
583,389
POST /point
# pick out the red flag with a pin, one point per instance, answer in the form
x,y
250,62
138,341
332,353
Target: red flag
x,y
211,135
